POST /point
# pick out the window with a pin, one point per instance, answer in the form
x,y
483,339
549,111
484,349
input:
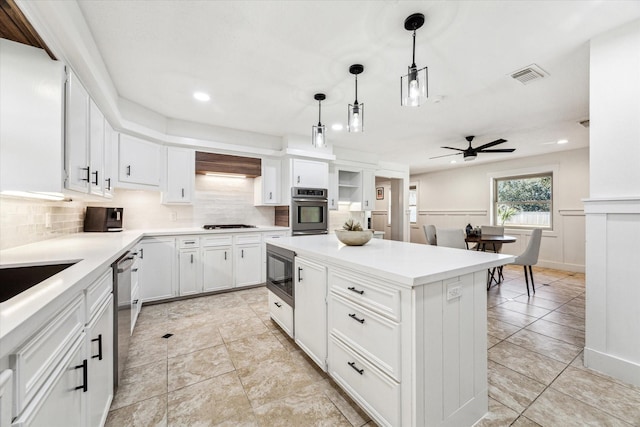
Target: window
x,y
523,201
413,203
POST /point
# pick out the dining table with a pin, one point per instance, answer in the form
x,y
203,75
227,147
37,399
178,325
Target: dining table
x,y
490,241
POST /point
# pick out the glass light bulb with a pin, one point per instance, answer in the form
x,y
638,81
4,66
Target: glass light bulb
x,y
414,92
319,139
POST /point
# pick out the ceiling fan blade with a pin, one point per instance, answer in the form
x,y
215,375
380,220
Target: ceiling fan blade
x,y
452,148
497,150
446,155
490,144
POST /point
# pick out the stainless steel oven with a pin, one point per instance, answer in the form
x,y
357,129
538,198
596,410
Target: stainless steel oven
x,y
309,211
280,273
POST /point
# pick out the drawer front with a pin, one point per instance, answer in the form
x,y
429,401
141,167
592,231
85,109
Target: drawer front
x,y
240,239
281,313
188,242
367,292
222,240
36,360
97,293
378,394
374,336
274,234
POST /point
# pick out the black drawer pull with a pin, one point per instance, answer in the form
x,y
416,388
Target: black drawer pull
x,y
84,386
88,174
99,355
353,289
353,365
278,304
353,316
300,274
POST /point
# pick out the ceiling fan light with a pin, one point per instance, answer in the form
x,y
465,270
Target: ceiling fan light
x,y
469,157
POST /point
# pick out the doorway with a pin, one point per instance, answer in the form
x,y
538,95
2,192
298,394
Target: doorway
x,y
388,214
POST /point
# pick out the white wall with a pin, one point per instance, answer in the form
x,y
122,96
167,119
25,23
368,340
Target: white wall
x,y
612,342
459,196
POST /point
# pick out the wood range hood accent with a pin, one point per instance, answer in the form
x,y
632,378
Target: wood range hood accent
x,y
227,164
15,26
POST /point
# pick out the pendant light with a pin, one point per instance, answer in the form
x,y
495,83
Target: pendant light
x,y
318,133
414,87
355,118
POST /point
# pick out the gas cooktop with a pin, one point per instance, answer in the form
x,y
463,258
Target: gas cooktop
x,y
226,226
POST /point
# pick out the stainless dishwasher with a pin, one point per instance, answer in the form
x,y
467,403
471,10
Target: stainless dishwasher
x,y
122,316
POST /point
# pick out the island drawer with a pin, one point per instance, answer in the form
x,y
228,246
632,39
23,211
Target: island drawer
x,y
188,242
281,313
368,292
371,388
35,361
370,334
222,240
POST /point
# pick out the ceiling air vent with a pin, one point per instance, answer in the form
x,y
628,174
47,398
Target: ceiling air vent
x,y
529,74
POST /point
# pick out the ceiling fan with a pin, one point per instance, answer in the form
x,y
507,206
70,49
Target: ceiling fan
x,y
471,153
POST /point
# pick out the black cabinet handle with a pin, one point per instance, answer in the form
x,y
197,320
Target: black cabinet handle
x,y
298,179
242,253
353,316
270,195
129,170
278,304
99,355
141,253
134,270
357,291
353,365
191,258
135,302
108,180
84,385
88,173
96,181
183,193
300,274
225,255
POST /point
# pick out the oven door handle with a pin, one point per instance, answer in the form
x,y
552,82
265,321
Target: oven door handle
x,y
321,200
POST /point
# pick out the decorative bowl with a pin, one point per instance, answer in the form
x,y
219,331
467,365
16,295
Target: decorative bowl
x,y
354,238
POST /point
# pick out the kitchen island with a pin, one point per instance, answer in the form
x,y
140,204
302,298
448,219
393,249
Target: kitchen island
x,y
401,328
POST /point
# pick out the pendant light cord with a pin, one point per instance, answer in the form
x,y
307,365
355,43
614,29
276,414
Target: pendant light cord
x,y
319,112
414,49
356,101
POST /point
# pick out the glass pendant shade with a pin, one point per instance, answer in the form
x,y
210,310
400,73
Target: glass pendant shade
x,y
414,87
318,134
356,118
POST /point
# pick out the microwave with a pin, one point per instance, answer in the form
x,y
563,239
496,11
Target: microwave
x,y
103,219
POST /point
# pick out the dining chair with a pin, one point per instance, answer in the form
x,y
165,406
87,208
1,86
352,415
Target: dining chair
x,y
530,257
430,234
451,238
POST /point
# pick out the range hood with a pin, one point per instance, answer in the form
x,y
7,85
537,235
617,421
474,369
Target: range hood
x,y
224,164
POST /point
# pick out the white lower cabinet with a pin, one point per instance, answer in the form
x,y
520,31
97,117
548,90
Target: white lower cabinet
x,y
310,314
217,268
156,271
100,364
281,313
247,259
189,267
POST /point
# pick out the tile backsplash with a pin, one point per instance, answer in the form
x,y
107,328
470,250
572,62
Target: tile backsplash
x,y
24,221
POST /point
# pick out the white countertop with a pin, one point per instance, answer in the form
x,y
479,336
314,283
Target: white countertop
x,y
410,264
94,252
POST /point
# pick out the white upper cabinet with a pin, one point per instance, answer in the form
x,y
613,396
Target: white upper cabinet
x,y
139,163
332,190
77,136
110,148
267,187
96,149
31,119
368,189
309,174
356,186
180,176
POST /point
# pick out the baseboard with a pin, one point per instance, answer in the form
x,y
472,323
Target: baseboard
x,y
574,268
624,370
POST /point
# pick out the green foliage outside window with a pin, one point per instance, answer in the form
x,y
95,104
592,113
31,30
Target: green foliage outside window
x,y
524,200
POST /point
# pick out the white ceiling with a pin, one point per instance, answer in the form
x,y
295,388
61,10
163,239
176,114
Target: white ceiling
x,y
262,61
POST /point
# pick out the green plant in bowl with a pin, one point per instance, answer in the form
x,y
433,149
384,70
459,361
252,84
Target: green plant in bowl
x,y
352,234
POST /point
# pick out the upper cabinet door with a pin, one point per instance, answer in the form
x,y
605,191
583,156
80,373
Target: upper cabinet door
x,y
180,175
96,149
77,136
310,174
139,161
368,190
110,147
268,186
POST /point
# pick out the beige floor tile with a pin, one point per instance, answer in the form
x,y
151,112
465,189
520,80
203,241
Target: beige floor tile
x,y
248,351
566,320
191,339
500,329
261,310
312,369
152,314
607,396
352,412
524,422
141,383
238,329
187,369
551,347
142,352
525,308
560,332
533,365
148,413
491,341
538,301
512,389
498,416
150,330
578,363
573,308
553,408
509,316
209,402
287,342
253,295
493,300
271,380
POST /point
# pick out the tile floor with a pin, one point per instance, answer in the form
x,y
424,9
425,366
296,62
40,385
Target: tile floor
x,y
228,364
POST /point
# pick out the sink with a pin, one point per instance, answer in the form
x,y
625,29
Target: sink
x,y
14,280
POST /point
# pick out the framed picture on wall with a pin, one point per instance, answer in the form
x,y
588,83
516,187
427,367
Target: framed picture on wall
x,y
379,193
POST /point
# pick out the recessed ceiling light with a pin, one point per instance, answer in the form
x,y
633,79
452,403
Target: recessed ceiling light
x,y
563,141
453,161
337,126
201,96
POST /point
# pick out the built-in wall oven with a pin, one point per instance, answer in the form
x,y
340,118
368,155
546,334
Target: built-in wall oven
x,y
309,211
280,273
